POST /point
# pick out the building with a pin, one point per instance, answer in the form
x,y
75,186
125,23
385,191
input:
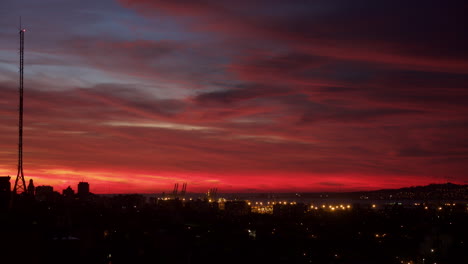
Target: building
x,y
236,208
83,188
31,189
289,210
200,206
5,192
68,192
44,193
5,186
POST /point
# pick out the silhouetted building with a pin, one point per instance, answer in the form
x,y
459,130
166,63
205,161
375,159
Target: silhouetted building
x,y
31,188
5,186
5,192
236,208
169,204
83,188
44,193
203,207
128,201
289,210
68,192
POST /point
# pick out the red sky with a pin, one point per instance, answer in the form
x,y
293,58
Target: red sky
x,y
248,96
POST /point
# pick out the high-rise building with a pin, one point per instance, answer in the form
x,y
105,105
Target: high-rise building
x,y
68,192
5,186
44,193
31,188
83,188
5,192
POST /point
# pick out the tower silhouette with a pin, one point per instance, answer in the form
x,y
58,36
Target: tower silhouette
x,y
20,184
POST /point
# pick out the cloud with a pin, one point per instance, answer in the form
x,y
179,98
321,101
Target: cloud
x,y
423,35
263,94
331,184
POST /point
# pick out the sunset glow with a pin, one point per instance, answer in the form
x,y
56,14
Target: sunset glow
x,y
245,96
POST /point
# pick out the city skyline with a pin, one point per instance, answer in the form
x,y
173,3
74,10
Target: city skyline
x,y
265,96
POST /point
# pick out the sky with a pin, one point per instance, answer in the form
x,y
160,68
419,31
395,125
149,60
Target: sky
x,y
244,96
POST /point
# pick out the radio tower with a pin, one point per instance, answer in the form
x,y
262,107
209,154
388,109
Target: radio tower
x,y
20,184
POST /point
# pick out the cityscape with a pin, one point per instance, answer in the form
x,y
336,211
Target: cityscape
x,y
330,132
425,224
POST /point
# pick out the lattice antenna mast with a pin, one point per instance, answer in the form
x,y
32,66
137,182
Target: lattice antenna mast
x,y
20,183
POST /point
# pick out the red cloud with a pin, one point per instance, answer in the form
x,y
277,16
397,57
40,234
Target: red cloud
x,y
263,98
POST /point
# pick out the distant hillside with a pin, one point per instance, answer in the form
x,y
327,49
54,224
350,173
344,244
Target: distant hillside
x,y
446,191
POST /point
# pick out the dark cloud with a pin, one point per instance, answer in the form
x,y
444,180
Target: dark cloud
x,y
395,32
243,93
346,115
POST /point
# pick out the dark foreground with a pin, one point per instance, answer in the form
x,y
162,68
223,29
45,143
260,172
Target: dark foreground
x,y
127,230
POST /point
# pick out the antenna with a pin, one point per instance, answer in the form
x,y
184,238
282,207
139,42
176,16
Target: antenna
x,y
20,184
